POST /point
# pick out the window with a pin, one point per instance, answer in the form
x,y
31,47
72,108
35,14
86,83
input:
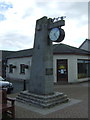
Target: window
x,y
22,69
83,68
10,68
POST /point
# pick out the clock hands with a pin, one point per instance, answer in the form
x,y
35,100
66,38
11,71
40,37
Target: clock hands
x,y
54,34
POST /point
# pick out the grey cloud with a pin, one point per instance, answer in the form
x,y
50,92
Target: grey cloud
x,y
89,13
74,10
42,4
16,41
81,7
78,11
28,12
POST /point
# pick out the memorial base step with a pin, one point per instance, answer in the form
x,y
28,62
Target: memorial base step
x,y
44,101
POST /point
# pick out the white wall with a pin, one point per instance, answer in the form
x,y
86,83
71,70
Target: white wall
x,y
72,67
16,73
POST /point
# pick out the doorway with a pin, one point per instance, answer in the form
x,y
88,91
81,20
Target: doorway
x,y
62,70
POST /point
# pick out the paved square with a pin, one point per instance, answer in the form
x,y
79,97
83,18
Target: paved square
x,y
76,108
45,111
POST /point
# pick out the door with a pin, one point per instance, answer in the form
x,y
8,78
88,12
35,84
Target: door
x,y
62,70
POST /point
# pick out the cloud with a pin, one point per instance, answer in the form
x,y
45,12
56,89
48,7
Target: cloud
x,y
16,41
5,6
75,34
17,26
2,17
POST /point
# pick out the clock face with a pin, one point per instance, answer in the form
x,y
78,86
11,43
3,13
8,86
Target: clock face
x,y
54,34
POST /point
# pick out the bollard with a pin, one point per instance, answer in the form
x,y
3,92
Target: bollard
x,y
24,85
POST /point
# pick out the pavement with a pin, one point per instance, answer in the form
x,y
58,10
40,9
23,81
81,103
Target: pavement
x,y
76,92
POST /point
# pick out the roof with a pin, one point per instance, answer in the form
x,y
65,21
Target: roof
x,y
57,49
87,40
21,53
6,53
66,49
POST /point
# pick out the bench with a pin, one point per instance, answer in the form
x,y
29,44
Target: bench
x,y
7,107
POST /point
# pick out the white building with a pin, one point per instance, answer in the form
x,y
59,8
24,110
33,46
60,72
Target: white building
x,y
3,62
70,64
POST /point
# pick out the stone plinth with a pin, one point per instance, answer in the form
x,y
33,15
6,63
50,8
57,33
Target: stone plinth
x,y
41,71
44,101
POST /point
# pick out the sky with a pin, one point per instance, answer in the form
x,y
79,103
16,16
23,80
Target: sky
x,y
18,20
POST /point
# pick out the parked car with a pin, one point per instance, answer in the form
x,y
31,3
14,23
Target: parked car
x,y
6,85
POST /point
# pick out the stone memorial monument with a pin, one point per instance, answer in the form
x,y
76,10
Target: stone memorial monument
x,y
41,85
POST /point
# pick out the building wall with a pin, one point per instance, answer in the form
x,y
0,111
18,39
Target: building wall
x,y
16,71
72,67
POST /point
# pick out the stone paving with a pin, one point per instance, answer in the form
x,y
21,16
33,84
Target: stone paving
x,y
77,91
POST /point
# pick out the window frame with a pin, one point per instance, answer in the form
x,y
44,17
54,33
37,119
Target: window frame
x,y
84,72
10,68
22,69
